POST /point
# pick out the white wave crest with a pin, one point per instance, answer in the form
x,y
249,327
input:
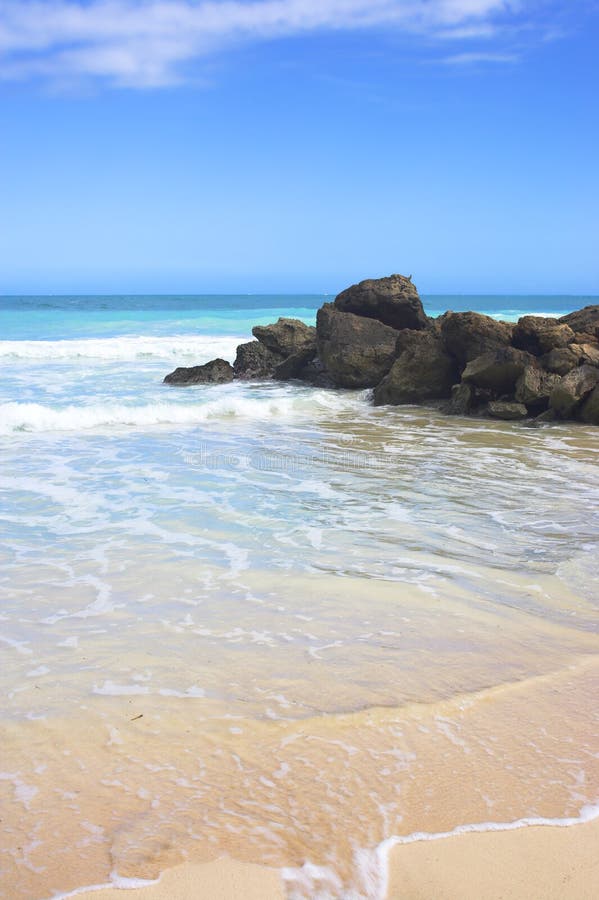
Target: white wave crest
x,y
200,348
35,417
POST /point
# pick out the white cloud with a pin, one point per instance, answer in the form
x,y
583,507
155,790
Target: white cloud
x,y
147,43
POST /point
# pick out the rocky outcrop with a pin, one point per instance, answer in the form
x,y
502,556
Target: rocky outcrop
x,y
286,336
356,351
376,335
423,371
539,335
217,371
254,360
394,301
467,335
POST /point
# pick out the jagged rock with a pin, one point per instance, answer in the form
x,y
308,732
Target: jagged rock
x,y
254,360
462,399
533,389
356,351
286,336
589,411
541,334
588,353
467,335
423,371
572,389
217,371
393,301
509,412
560,361
498,370
585,320
293,366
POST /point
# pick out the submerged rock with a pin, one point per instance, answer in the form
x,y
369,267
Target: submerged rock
x,y
286,336
540,334
254,360
423,371
356,351
467,335
217,371
393,301
509,412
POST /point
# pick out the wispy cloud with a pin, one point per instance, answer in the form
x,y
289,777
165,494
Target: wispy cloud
x,y
151,43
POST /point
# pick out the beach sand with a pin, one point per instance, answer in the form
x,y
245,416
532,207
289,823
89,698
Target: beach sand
x,y
533,863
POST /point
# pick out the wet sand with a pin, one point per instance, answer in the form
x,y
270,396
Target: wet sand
x,y
534,863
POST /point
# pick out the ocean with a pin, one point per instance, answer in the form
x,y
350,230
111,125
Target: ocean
x,y
271,621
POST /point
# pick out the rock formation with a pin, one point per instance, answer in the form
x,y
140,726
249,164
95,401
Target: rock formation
x,y
377,335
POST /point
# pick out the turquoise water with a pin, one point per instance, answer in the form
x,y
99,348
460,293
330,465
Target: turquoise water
x,y
52,317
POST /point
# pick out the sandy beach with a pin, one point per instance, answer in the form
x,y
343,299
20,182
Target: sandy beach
x,y
533,863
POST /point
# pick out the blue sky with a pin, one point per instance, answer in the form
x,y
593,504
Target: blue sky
x,y
294,145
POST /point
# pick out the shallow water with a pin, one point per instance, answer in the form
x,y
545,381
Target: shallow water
x,y
275,622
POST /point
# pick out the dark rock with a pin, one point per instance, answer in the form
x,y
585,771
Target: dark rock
x,y
586,319
589,411
254,360
217,371
572,389
462,399
315,373
540,334
286,336
467,335
356,351
423,371
293,366
498,370
393,301
560,361
509,412
534,387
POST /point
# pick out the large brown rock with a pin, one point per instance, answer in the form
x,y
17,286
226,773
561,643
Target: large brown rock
x,y
356,351
561,360
589,411
499,370
508,411
217,371
585,320
540,334
467,335
254,360
294,365
423,371
393,301
534,387
572,389
286,336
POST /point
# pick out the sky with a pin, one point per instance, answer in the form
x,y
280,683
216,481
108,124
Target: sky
x,y
298,146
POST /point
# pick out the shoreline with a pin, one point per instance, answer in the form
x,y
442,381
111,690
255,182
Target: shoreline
x,y
532,859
